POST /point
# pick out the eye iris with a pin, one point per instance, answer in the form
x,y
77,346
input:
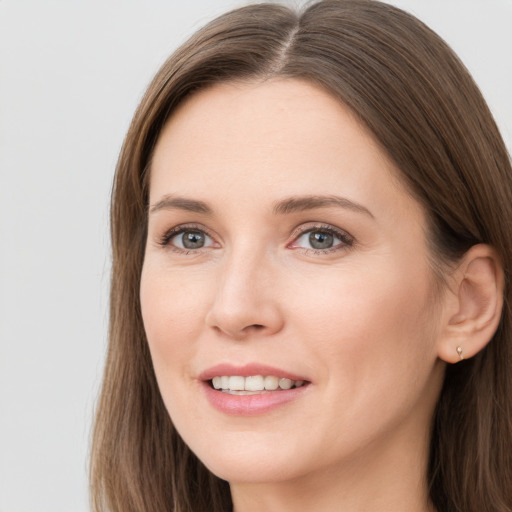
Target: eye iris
x,y
321,240
193,240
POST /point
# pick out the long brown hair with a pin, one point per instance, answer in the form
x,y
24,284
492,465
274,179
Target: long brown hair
x,y
407,86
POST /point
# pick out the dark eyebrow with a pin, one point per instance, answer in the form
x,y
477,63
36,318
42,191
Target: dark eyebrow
x,y
302,203
170,202
289,205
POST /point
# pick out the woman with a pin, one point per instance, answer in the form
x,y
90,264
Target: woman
x,y
310,300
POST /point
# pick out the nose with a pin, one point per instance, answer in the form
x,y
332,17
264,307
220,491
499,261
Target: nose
x,y
246,300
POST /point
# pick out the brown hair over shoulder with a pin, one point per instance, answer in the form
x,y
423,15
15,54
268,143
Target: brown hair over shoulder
x,y
419,101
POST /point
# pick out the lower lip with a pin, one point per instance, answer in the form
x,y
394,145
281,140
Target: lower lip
x,y
251,405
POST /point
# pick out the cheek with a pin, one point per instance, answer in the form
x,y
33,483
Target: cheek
x,y
372,338
173,314
371,324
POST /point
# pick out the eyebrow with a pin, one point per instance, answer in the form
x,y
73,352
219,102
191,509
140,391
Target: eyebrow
x,y
170,202
303,203
282,207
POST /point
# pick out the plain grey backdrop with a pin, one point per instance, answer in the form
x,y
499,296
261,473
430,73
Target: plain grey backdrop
x,y
71,75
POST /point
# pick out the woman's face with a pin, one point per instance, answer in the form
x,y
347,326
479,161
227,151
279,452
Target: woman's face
x,y
283,251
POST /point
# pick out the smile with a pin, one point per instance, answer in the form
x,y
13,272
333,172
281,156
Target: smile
x,y
253,384
252,389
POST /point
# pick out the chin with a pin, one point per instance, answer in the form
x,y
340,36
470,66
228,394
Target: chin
x,y
247,458
252,471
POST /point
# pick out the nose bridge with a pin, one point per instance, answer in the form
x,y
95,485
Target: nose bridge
x,y
239,274
244,301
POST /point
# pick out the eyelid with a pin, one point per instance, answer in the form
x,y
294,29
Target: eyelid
x,y
165,239
346,238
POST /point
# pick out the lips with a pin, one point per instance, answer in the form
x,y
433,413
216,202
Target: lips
x,y
237,384
251,389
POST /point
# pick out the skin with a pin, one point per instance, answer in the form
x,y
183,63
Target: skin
x,y
358,321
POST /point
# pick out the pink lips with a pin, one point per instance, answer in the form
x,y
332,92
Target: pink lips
x,y
249,405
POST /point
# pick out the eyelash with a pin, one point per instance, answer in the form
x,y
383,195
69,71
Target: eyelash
x,y
346,240
178,230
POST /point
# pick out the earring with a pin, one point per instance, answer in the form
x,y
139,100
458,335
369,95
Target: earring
x,y
459,351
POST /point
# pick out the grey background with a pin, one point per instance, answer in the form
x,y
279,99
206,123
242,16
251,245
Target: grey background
x,y
71,75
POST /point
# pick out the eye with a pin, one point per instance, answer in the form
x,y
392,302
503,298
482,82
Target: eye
x,y
191,240
187,239
322,239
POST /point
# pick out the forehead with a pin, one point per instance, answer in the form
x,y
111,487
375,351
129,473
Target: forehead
x,y
274,115
278,137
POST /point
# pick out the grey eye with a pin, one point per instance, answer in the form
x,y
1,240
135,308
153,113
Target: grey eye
x,y
321,240
191,239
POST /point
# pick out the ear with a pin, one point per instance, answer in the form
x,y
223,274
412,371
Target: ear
x,y
473,304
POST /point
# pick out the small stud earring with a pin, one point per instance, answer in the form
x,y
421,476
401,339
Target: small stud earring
x,y
459,351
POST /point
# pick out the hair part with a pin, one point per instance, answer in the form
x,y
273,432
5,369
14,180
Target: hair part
x,y
421,105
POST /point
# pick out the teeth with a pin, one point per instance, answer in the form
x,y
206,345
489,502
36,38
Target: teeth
x,y
271,383
285,383
238,385
254,383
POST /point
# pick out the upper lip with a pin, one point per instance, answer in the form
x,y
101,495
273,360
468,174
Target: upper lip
x,y
247,370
